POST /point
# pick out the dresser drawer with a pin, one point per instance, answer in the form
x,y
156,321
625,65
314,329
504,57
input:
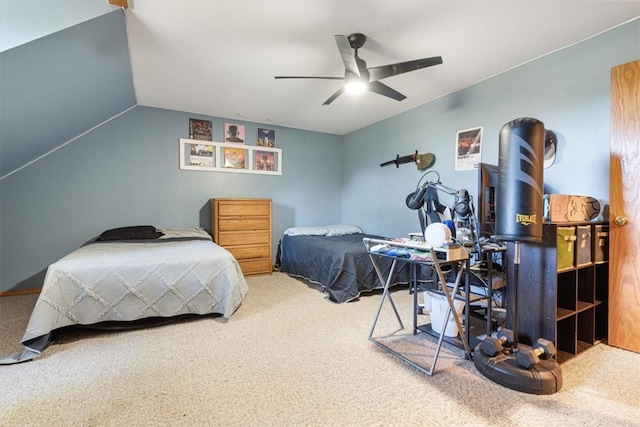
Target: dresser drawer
x,y
232,238
243,227
244,208
249,252
258,266
243,224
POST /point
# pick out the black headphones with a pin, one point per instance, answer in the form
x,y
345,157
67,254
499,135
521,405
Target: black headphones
x,y
461,206
416,199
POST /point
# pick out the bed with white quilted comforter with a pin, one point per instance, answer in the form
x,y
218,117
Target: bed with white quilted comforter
x,y
181,272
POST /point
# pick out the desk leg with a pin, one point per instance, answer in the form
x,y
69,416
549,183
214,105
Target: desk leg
x,y
467,306
385,293
414,285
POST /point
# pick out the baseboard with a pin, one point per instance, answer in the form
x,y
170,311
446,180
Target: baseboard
x,y
20,292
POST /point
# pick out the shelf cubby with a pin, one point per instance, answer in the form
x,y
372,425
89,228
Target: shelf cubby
x,y
565,304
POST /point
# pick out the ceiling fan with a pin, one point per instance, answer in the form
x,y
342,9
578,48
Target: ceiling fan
x,y
358,77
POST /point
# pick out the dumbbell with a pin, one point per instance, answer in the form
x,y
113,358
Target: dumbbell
x,y
529,357
492,346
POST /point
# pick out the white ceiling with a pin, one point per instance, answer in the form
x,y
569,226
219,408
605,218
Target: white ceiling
x,y
219,58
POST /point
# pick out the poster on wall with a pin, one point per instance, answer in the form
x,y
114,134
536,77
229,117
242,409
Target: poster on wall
x,y
201,155
468,148
265,161
201,129
234,133
235,158
266,137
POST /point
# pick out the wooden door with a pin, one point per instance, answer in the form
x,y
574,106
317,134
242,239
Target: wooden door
x,y
624,244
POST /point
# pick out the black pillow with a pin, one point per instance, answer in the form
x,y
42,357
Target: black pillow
x,y
138,232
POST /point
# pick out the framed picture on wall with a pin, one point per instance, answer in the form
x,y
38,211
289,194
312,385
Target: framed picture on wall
x,y
266,137
197,156
468,148
235,158
266,161
234,133
201,129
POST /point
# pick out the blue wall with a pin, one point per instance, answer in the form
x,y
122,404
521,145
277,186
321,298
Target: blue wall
x,y
568,90
57,87
24,21
126,171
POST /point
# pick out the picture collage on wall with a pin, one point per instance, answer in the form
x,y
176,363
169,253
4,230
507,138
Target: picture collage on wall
x,y
200,152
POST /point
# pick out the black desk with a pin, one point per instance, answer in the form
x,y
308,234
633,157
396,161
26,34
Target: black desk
x,y
423,257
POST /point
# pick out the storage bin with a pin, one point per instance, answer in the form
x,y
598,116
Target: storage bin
x,y
566,239
583,245
601,244
437,306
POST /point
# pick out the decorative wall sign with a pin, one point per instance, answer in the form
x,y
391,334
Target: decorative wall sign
x,y
229,157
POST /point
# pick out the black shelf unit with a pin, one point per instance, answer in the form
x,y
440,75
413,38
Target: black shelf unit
x,y
567,306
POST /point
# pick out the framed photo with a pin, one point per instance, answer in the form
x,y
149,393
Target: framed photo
x,y
235,158
201,129
265,161
266,137
468,148
197,156
234,133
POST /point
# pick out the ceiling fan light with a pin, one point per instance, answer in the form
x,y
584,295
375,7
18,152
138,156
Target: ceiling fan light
x,y
355,86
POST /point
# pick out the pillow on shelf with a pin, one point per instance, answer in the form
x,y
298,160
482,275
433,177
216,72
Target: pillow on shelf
x,y
343,229
137,232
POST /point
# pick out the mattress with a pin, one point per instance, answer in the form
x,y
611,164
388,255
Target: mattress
x,y
340,264
182,272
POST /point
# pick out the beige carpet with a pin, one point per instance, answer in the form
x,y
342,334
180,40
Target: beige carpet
x,y
288,357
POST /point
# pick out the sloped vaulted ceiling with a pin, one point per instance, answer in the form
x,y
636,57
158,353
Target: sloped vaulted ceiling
x,y
58,87
219,58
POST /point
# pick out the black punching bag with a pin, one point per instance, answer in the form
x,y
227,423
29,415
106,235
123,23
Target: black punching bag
x,y
520,181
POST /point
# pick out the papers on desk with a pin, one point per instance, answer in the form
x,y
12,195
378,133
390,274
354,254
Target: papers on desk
x,y
400,251
418,251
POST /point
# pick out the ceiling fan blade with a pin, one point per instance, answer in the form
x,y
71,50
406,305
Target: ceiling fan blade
x,y
334,96
308,77
384,71
348,56
383,89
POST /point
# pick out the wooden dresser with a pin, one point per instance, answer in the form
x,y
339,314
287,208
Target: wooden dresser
x,y
243,227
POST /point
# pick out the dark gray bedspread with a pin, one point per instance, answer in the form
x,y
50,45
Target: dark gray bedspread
x,y
340,264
